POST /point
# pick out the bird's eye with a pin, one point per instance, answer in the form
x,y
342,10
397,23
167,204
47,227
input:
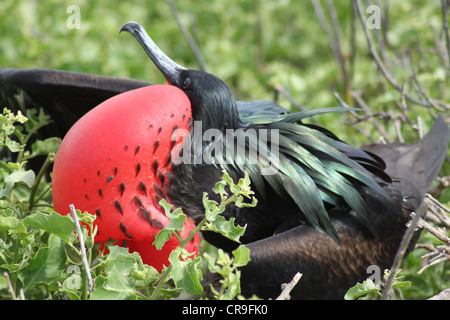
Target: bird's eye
x,y
187,83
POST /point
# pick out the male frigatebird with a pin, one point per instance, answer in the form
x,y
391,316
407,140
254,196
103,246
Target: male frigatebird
x,y
328,211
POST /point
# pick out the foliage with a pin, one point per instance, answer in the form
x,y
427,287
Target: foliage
x,y
30,258
369,290
186,271
40,253
273,50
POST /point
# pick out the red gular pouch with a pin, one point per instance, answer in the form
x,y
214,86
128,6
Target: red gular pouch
x,y
113,163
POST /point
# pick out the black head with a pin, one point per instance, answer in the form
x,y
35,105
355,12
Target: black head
x,y
212,101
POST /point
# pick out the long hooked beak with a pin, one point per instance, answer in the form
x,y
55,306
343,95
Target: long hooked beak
x,y
169,68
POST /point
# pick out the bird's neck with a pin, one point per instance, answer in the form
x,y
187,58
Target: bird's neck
x,y
219,117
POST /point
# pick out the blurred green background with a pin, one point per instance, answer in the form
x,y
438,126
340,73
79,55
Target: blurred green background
x,y
273,50
252,45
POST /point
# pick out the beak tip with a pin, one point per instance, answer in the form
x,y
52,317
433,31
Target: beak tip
x,y
169,68
130,26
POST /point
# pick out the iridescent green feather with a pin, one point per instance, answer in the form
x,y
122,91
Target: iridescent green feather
x,y
312,167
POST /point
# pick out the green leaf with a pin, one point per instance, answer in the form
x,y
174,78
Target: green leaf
x,y
54,223
46,267
226,228
212,208
35,120
17,177
402,284
161,238
186,272
70,285
3,282
115,286
121,259
212,266
219,188
177,219
241,204
233,286
361,289
176,224
12,223
7,120
241,256
44,147
226,266
13,146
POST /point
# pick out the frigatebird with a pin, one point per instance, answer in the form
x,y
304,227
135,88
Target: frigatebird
x,y
329,211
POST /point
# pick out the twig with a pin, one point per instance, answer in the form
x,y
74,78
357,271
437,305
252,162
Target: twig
x,y
420,212
425,95
10,286
445,26
437,255
259,24
288,96
288,287
435,232
188,37
397,125
439,48
49,160
377,59
352,54
381,33
334,38
443,295
444,182
379,127
439,210
84,258
358,118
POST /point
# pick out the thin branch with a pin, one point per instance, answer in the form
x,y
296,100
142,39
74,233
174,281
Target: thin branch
x,y
84,258
340,57
397,125
377,59
436,255
425,95
334,38
440,260
435,232
443,295
381,36
288,287
352,57
188,37
259,34
10,286
287,95
379,127
445,26
444,182
420,212
358,119
49,160
439,47
439,210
